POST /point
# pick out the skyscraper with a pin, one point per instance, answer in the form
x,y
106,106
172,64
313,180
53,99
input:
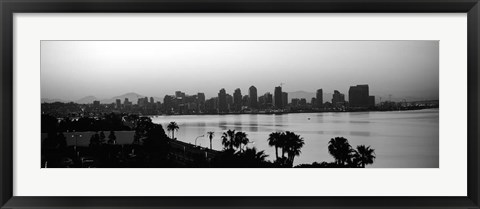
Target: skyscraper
x,y
201,97
371,101
229,102
201,101
222,101
152,101
338,99
237,99
252,94
358,96
268,100
118,103
285,99
319,99
179,94
278,97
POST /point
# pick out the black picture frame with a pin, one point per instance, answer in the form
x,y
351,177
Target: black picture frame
x,y
9,7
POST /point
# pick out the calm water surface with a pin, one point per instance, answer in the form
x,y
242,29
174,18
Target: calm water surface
x,y
400,139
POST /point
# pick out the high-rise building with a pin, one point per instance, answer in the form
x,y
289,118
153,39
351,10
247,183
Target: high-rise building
x,y
285,99
252,94
295,102
278,97
319,99
261,101
229,102
201,101
268,99
371,101
211,105
222,101
237,100
168,103
358,96
338,99
141,102
302,102
152,101
313,101
118,103
201,97
245,100
179,94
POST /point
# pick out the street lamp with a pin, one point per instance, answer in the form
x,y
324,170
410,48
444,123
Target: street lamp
x,y
197,138
76,139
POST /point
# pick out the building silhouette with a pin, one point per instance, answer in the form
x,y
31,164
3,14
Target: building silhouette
x,y
201,101
295,102
285,99
319,99
268,100
338,98
278,97
229,102
358,96
245,100
179,94
237,99
302,103
118,103
371,101
222,101
252,94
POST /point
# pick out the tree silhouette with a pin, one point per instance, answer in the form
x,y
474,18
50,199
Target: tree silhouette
x,y
340,149
364,155
293,145
240,139
273,140
252,158
228,139
172,126
210,135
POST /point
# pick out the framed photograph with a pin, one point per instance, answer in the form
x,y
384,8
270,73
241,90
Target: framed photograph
x,y
239,104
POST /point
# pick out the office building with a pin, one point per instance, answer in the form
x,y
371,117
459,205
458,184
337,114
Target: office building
x,y
222,101
278,97
252,94
319,99
358,96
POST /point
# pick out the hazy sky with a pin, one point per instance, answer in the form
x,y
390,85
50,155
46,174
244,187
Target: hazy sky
x,y
71,70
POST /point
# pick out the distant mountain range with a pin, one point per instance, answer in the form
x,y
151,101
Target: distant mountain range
x,y
133,97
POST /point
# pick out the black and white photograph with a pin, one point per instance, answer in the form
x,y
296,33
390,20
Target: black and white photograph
x,y
239,104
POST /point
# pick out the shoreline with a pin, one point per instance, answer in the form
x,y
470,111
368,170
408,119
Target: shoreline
x,y
285,113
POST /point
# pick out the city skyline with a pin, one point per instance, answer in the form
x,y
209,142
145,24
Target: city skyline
x,y
72,70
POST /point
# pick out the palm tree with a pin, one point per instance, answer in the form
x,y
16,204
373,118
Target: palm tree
x,y
340,149
172,126
210,135
364,155
228,139
273,140
253,158
293,145
240,139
